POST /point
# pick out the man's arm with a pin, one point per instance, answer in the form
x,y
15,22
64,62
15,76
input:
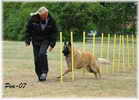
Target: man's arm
x,y
28,33
54,34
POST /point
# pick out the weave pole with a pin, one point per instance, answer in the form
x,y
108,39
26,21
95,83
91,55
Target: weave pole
x,y
61,58
127,47
72,56
108,47
123,53
83,48
119,55
94,41
101,53
83,40
102,37
113,62
133,49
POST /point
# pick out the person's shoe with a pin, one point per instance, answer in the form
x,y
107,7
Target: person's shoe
x,y
43,77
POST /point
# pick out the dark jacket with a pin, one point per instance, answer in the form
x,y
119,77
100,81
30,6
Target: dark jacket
x,y
35,33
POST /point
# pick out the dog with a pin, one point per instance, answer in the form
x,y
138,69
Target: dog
x,y
82,59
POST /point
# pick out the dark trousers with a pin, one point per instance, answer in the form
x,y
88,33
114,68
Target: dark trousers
x,y
40,56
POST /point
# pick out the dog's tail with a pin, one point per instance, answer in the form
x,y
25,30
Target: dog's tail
x,y
103,61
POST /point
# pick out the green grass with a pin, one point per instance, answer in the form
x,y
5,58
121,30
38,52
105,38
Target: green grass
x,y
19,67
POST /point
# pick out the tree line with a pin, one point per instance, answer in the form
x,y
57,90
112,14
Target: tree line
x,y
78,17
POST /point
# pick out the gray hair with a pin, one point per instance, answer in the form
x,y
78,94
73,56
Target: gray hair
x,y
40,11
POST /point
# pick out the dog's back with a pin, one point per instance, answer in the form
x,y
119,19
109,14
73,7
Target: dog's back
x,y
83,58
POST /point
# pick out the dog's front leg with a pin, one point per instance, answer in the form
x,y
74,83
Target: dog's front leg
x,y
66,71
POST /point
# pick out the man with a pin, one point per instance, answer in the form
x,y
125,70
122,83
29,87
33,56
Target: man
x,y
42,31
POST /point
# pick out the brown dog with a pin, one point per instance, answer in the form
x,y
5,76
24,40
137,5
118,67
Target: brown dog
x,y
82,59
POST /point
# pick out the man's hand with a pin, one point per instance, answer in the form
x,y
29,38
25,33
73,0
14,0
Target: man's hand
x,y
27,45
50,49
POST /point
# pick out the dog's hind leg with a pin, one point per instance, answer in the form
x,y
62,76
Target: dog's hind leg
x,y
98,71
96,75
92,70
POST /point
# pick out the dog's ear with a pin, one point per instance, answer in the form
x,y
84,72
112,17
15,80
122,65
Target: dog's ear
x,y
69,43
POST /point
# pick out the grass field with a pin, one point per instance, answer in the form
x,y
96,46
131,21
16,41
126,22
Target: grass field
x,y
19,67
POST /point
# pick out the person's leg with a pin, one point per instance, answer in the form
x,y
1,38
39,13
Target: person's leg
x,y
43,62
36,49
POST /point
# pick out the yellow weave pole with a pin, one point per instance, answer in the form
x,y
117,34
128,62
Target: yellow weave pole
x,y
127,47
72,56
84,48
102,37
61,58
94,42
119,55
83,40
108,48
133,56
113,58
123,53
101,50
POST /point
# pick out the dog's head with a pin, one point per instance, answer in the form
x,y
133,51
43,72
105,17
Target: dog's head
x,y
67,48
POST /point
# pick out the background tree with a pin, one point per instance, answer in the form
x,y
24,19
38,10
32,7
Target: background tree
x,y
72,16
